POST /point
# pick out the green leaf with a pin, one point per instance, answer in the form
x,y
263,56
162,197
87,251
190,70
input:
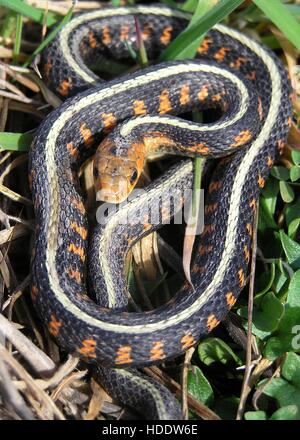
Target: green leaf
x,y
291,249
266,278
293,228
293,296
255,415
199,386
296,157
280,173
289,412
279,14
227,407
286,192
35,14
269,313
265,218
270,193
180,45
15,141
213,350
295,173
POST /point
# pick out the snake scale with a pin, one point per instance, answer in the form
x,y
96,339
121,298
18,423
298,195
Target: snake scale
x,y
231,73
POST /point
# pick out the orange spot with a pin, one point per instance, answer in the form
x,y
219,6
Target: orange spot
x,y
184,95
252,205
221,53
164,102
203,93
139,107
88,348
208,229
77,250
247,254
230,299
124,32
260,109
241,276
214,186
147,31
249,229
238,62
210,208
86,134
251,75
72,150
64,86
157,351
217,97
80,230
78,205
204,45
270,162
92,40
34,292
280,145
242,138
74,274
48,67
212,322
54,325
205,249
106,39
261,181
123,355
187,341
109,120
166,35
200,148
289,122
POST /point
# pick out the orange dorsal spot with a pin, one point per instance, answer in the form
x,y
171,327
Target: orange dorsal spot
x,y
205,250
203,48
34,292
187,341
200,148
109,120
88,348
157,351
124,32
289,122
78,205
164,102
241,276
230,299
54,325
166,35
92,40
247,254
217,97
146,32
123,355
72,150
221,53
74,274
86,134
213,186
243,137
77,251
210,208
203,93
236,64
211,322
184,97
261,181
260,109
106,38
208,229
139,107
249,229
80,230
251,75
65,86
270,162
252,205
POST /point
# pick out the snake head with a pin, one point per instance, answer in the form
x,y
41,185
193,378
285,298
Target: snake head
x,y
117,169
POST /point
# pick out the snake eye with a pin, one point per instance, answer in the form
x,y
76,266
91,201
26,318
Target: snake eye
x,y
133,176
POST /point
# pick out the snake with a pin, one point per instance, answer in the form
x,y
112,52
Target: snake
x,y
79,287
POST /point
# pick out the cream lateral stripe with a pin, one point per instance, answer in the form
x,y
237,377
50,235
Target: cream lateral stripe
x,y
143,383
85,18
232,218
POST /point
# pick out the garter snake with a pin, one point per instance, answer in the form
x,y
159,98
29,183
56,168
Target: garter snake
x,y
233,73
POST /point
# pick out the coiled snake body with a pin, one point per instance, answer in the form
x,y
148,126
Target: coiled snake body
x,y
235,74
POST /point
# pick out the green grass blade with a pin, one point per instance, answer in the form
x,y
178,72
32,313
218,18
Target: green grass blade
x,y
18,37
29,11
15,141
179,47
280,15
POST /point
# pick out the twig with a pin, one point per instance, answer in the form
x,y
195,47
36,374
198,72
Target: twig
x,y
184,379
